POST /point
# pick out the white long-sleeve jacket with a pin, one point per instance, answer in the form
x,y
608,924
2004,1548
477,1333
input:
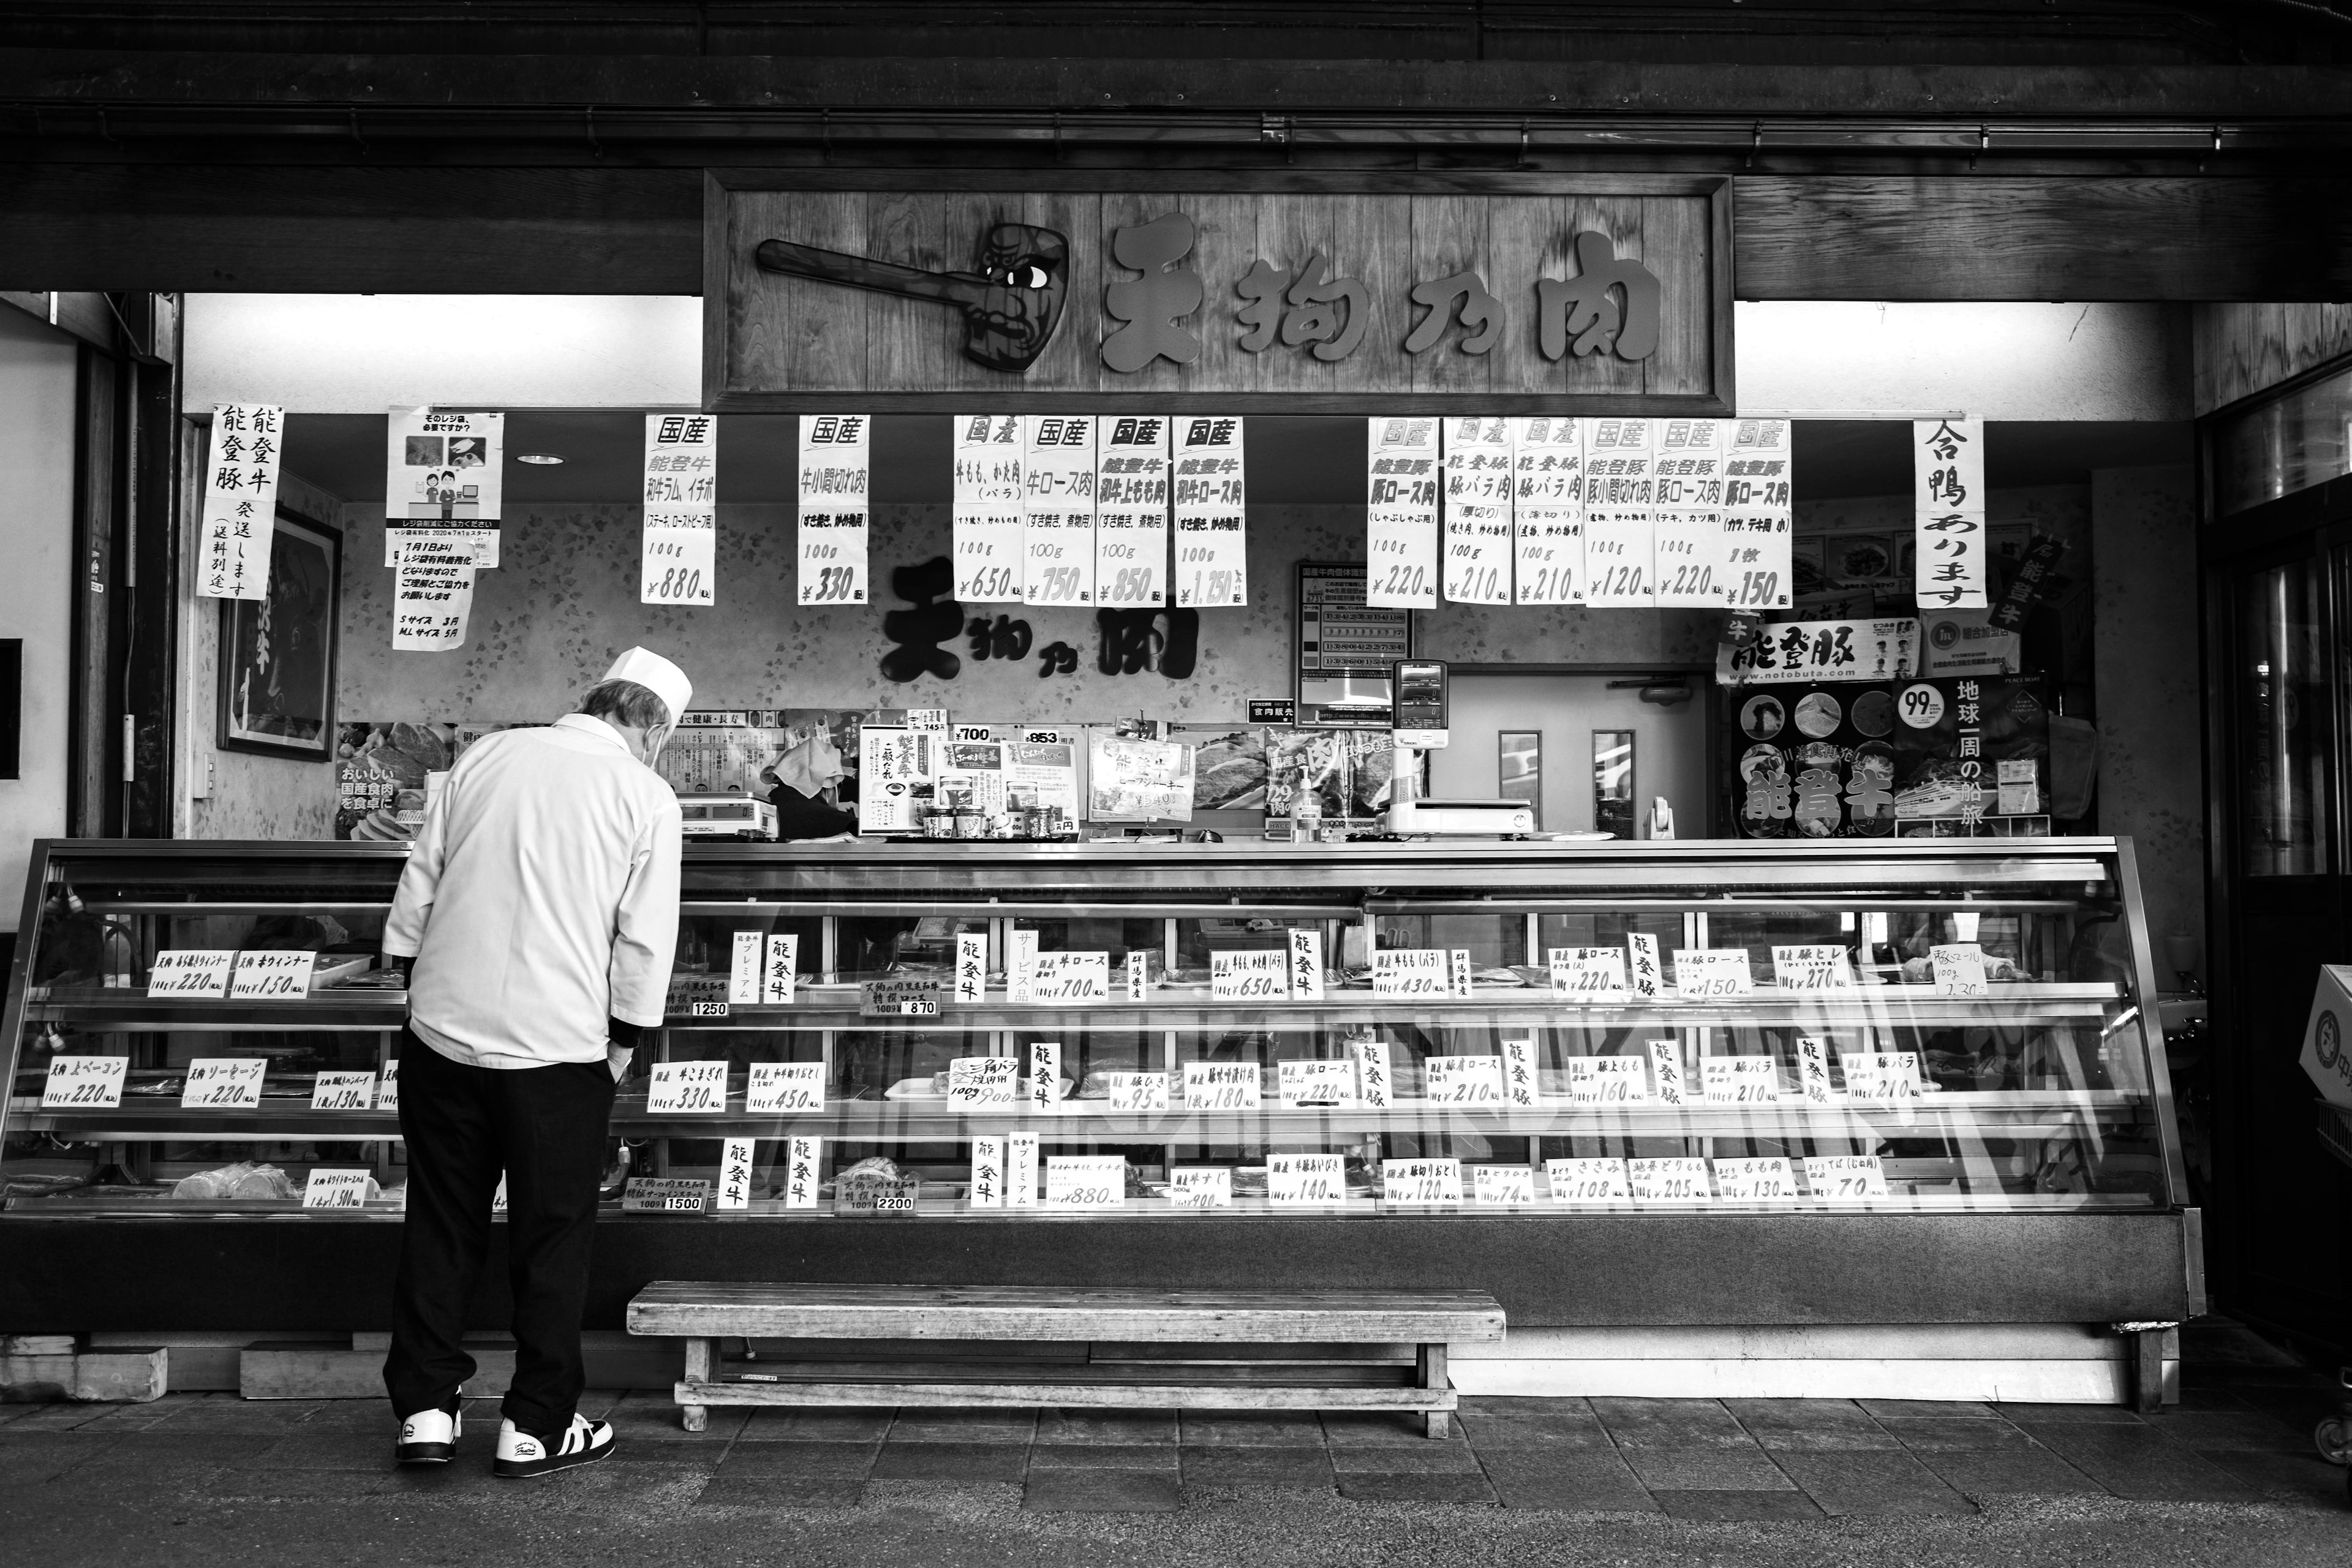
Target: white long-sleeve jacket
x,y
541,898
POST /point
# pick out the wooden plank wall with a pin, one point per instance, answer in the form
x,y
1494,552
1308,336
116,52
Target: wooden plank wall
x,y
2241,349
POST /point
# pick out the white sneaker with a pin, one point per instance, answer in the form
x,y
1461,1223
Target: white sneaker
x,y
427,1437
521,1453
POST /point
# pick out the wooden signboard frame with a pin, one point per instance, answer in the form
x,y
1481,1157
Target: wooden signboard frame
x,y
853,305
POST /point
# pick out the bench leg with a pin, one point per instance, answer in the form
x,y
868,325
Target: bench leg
x,y
697,1417
1436,1423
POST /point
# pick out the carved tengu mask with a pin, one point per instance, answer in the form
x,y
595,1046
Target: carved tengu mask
x,y
1011,302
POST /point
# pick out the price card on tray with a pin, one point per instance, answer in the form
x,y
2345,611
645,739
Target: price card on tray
x,y
972,967
803,1158
328,1189
342,1091
84,1083
698,1089
1667,1070
1522,1086
1705,973
224,1083
1608,1080
777,1088
1373,1083
1086,1182
1297,1179
1201,1187
782,971
1589,1181
387,1089
1881,1074
1739,1080
183,972
1044,1074
1424,972
1258,974
275,975
1958,969
1221,1085
1845,1176
743,969
1669,1181
987,1189
1812,968
1136,1093
977,1081
1463,1080
1315,1082
654,1194
1502,1184
1306,965
1422,1181
736,1157
1069,979
1587,974
1755,1181
1020,1171
1642,967
1813,1072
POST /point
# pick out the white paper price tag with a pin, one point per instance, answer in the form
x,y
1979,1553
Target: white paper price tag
x,y
778,1089
743,968
1522,1086
1815,968
1086,1182
343,1091
1422,1181
1020,1171
1958,969
84,1083
972,967
1136,1093
1589,1181
803,1158
1881,1074
182,972
1608,1080
1418,972
1044,1074
328,1189
1315,1082
1705,973
1221,1085
977,1081
1069,979
1463,1080
693,1089
1845,1176
272,976
1502,1184
782,970
1739,1080
1201,1187
1260,975
735,1162
224,1083
1300,1179
1666,1071
1306,965
1373,1085
987,1191
1587,974
1669,1181
1755,1181
1813,1072
1642,969
387,1089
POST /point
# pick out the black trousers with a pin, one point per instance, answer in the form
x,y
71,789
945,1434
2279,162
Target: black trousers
x,y
545,1128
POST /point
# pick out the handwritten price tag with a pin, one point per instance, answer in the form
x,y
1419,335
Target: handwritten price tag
x,y
272,976
1670,1181
1755,1181
663,1195
743,969
1418,972
1315,1082
1502,1184
694,1088
1086,1181
1221,1085
1812,969
1464,1080
1300,1179
1253,975
84,1083
1020,1171
1607,1080
1739,1080
1705,973
1595,975
335,1189
1587,1181
778,1089
1201,1187
1958,969
224,1083
1881,1074
1069,979
342,1091
1422,1181
899,999
1136,1093
184,972
1845,1176
387,1089
977,1081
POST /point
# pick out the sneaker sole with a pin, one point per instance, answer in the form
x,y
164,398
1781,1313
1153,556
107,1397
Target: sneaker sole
x,y
531,1470
423,1453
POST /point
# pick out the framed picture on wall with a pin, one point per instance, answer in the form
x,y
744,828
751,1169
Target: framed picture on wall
x,y
277,652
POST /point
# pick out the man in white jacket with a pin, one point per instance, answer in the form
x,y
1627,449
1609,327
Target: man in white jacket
x,y
539,906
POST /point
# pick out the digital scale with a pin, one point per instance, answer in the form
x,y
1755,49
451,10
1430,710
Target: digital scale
x,y
727,817
1462,818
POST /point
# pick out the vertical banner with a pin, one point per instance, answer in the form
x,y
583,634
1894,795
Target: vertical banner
x,y
444,475
1686,468
1947,504
1400,513
1758,556
681,548
432,596
1548,508
988,501
1057,479
1478,484
1131,511
833,511
1212,523
240,501
1618,495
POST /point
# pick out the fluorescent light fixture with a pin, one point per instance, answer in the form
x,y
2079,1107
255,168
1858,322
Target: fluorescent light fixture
x,y
543,459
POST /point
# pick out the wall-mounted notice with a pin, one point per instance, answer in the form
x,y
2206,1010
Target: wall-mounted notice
x,y
445,473
679,548
1548,508
1057,487
240,501
1131,511
1477,496
1619,495
1947,504
1758,525
1687,470
987,502
833,522
432,596
1212,520
1400,513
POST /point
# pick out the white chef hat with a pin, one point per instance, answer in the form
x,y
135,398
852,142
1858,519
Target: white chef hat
x,y
657,675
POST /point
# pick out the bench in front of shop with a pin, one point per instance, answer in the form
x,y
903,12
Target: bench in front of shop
x,y
1157,1350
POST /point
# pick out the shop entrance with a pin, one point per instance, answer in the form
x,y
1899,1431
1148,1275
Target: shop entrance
x,y
1559,738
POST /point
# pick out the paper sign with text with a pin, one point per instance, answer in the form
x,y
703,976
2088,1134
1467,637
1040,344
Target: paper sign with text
x,y
1589,1181
343,1091
743,969
1958,969
834,512
1702,972
223,1083
736,1156
274,975
1881,1074
695,1089
1813,1072
1477,497
802,1161
1221,1085
1315,1082
1464,1080
1044,1074
1646,975
1131,511
1400,494
1739,1080
1502,1184
1522,1086
1252,974
780,974
1417,972
387,1089
1306,965
1812,968
1620,514
778,1089
240,501
1765,1179
972,967
332,1189
1295,1179
1212,519
1547,510
1086,1181
1681,1180
1021,1157
678,546
1058,509
1587,974
1666,1071
1069,979
84,1083
977,1081
987,1190
186,972
1136,1093
1845,1176
989,520
1422,1181
1373,1084
1608,1080
1201,1187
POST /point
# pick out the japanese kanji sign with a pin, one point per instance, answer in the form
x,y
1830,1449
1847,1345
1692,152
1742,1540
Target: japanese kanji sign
x,y
832,512
1211,524
240,501
1797,651
680,495
989,524
1757,517
1948,503
1400,513
1477,493
1687,469
1620,524
1058,509
1548,508
1131,511
444,474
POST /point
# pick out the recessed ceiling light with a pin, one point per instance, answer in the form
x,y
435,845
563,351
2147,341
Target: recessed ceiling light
x,y
544,459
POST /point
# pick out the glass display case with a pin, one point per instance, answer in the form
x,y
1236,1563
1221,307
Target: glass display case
x,y
1002,1034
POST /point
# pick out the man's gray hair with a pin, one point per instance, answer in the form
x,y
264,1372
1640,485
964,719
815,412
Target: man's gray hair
x,y
626,703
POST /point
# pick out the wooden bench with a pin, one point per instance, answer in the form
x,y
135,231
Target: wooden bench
x,y
1227,1331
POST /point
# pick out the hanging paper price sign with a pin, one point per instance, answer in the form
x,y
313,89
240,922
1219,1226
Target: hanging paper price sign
x,y
1400,513
1547,510
240,504
990,525
1211,520
1687,544
1131,511
835,517
1758,532
1620,502
680,497
1057,479
1477,496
